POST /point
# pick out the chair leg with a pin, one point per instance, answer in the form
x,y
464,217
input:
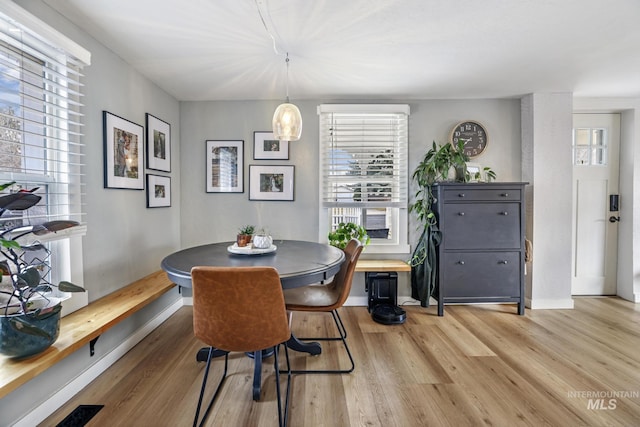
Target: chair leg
x,y
204,384
257,374
282,420
342,337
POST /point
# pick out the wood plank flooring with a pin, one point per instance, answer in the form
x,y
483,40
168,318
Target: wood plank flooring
x,y
477,365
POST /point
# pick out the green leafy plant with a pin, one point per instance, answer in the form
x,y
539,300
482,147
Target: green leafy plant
x,y
247,230
26,272
489,174
438,163
347,231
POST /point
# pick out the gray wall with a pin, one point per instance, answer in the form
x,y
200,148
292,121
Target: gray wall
x,y
125,241
212,217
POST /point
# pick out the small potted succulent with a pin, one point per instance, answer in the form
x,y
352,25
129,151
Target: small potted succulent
x,y
244,236
29,314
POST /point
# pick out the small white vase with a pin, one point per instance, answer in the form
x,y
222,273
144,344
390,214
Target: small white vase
x,y
262,241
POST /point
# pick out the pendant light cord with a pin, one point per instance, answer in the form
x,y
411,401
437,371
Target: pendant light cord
x,y
275,46
287,62
266,28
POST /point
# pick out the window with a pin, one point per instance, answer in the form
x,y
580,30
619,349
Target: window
x,y
590,146
41,126
363,153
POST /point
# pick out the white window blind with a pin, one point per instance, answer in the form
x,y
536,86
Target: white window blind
x,y
364,152
40,117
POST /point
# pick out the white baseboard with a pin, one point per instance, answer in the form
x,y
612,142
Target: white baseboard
x,y
549,304
52,404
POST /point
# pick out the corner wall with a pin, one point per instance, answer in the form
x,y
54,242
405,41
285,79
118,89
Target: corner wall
x,y
546,164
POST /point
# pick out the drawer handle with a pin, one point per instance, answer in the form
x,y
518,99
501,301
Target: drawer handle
x,y
461,194
505,194
461,213
505,213
503,262
461,262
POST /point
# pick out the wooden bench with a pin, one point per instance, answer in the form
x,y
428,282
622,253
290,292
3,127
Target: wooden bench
x,y
84,326
373,265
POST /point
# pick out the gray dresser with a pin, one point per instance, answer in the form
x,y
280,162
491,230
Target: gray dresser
x,y
481,256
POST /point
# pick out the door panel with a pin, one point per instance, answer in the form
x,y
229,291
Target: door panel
x,y
595,177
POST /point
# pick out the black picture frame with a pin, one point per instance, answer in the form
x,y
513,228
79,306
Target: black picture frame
x,y
224,166
158,144
158,191
267,147
275,183
123,153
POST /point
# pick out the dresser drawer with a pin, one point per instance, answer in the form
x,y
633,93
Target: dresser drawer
x,y
481,226
464,194
480,274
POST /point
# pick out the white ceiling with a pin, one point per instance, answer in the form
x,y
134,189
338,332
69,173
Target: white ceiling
x,y
371,49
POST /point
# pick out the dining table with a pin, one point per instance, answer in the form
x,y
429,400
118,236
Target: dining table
x,y
298,263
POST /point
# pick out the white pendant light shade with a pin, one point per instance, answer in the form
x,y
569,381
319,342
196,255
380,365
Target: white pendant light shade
x,y
287,122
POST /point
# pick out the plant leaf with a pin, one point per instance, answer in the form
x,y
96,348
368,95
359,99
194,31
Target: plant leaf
x,y
18,201
53,226
20,324
65,286
31,276
7,185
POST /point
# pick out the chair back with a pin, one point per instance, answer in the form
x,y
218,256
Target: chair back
x,y
343,279
239,308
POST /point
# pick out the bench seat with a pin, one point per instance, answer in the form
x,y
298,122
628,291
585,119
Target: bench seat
x,y
84,326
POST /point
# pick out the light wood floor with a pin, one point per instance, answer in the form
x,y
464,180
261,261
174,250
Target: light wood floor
x,y
477,365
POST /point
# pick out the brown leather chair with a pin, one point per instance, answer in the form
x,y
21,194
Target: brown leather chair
x,y
240,309
328,298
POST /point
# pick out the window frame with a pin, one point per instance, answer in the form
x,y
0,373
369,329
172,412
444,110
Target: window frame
x,y
58,115
398,243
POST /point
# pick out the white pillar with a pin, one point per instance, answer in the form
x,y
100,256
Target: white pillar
x,y
547,124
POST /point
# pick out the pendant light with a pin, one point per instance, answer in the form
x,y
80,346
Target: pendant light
x,y
287,120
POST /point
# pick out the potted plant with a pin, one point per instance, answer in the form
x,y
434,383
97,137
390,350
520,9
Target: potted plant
x,y
347,231
245,234
440,163
29,315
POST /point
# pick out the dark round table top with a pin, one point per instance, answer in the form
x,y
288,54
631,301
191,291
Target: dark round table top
x,y
299,263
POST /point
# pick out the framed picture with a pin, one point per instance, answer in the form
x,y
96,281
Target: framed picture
x,y
266,147
271,182
158,191
158,144
475,172
225,166
123,153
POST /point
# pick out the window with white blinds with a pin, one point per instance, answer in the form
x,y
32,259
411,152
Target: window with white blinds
x,y
364,155
363,171
40,118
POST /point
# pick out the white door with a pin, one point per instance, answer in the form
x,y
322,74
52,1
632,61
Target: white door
x,y
596,142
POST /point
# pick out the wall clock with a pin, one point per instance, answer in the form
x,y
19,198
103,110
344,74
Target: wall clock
x,y
474,136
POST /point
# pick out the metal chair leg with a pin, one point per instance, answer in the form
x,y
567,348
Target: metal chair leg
x,y
342,337
204,385
282,420
257,374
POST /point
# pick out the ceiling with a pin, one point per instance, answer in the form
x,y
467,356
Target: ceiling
x,y
371,49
